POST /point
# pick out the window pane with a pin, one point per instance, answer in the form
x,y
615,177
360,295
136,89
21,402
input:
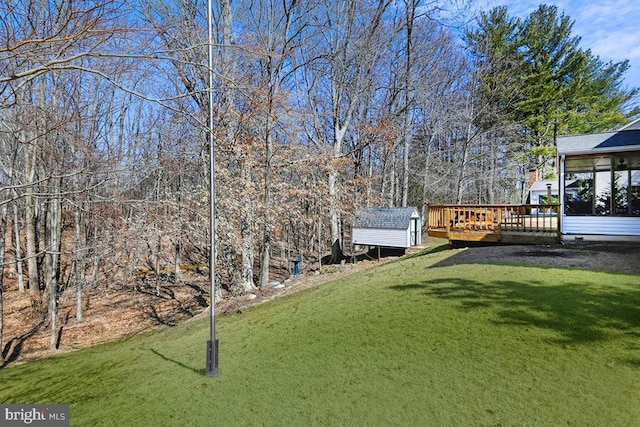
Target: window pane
x,y
579,193
603,193
621,195
635,192
542,199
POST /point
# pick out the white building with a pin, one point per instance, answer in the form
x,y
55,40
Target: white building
x,y
600,185
387,227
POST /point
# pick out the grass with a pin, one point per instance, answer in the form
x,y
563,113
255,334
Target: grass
x,y
407,343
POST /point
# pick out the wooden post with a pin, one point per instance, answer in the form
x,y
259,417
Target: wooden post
x,y
447,220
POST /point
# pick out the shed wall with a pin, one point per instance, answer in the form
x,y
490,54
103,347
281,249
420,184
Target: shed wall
x,y
393,238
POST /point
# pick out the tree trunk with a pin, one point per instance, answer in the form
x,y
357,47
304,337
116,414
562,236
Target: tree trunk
x,y
78,262
491,185
336,238
465,155
156,262
410,10
3,229
334,213
177,254
30,219
405,170
266,225
461,172
425,176
247,252
392,181
369,176
248,236
177,244
52,261
17,250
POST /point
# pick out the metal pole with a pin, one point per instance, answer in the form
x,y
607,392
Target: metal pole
x,y
212,343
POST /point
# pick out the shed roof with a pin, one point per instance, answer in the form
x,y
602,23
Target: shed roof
x,y
389,218
607,142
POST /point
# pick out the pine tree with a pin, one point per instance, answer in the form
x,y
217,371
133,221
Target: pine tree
x,y
537,77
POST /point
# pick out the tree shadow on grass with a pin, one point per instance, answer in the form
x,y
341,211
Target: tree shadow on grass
x,y
178,363
13,347
200,296
578,313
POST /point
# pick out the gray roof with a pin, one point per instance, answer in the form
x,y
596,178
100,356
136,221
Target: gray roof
x,y
634,124
391,218
607,142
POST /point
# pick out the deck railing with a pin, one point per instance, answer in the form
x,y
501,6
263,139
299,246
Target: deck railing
x,y
443,220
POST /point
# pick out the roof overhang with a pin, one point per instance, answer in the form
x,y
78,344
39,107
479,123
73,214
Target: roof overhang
x,y
599,143
599,151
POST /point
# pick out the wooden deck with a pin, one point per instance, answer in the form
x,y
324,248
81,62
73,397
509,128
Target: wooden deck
x,y
524,224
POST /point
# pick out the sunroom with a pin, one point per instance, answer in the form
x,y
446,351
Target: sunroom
x,y
600,184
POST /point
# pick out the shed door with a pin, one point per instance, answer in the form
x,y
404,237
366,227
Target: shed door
x,y
413,231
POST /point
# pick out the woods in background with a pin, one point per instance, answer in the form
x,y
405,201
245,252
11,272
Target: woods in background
x,y
321,107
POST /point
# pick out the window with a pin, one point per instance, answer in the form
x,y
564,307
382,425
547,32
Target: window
x,y
603,193
578,193
603,185
634,193
621,193
542,199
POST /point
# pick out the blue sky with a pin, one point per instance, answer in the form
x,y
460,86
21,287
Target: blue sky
x,y
610,28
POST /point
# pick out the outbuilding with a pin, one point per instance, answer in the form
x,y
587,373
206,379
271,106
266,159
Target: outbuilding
x,y
387,227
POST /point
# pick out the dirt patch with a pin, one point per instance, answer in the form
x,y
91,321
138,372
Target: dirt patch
x,y
109,314
608,257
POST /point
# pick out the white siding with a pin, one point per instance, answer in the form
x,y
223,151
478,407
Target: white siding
x,y
602,225
535,196
381,237
597,226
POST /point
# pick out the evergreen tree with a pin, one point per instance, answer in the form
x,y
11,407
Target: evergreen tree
x,y
537,77
496,62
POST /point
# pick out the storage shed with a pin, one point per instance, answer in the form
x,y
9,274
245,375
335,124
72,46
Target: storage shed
x,y
387,227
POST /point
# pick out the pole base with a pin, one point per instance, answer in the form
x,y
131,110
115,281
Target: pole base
x,y
212,358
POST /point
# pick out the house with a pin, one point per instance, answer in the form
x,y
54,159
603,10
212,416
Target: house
x,y
387,227
600,185
599,198
540,190
543,192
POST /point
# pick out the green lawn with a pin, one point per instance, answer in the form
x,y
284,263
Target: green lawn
x,y
407,343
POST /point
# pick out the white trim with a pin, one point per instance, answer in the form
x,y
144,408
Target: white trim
x,y
625,149
598,238
628,125
561,192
